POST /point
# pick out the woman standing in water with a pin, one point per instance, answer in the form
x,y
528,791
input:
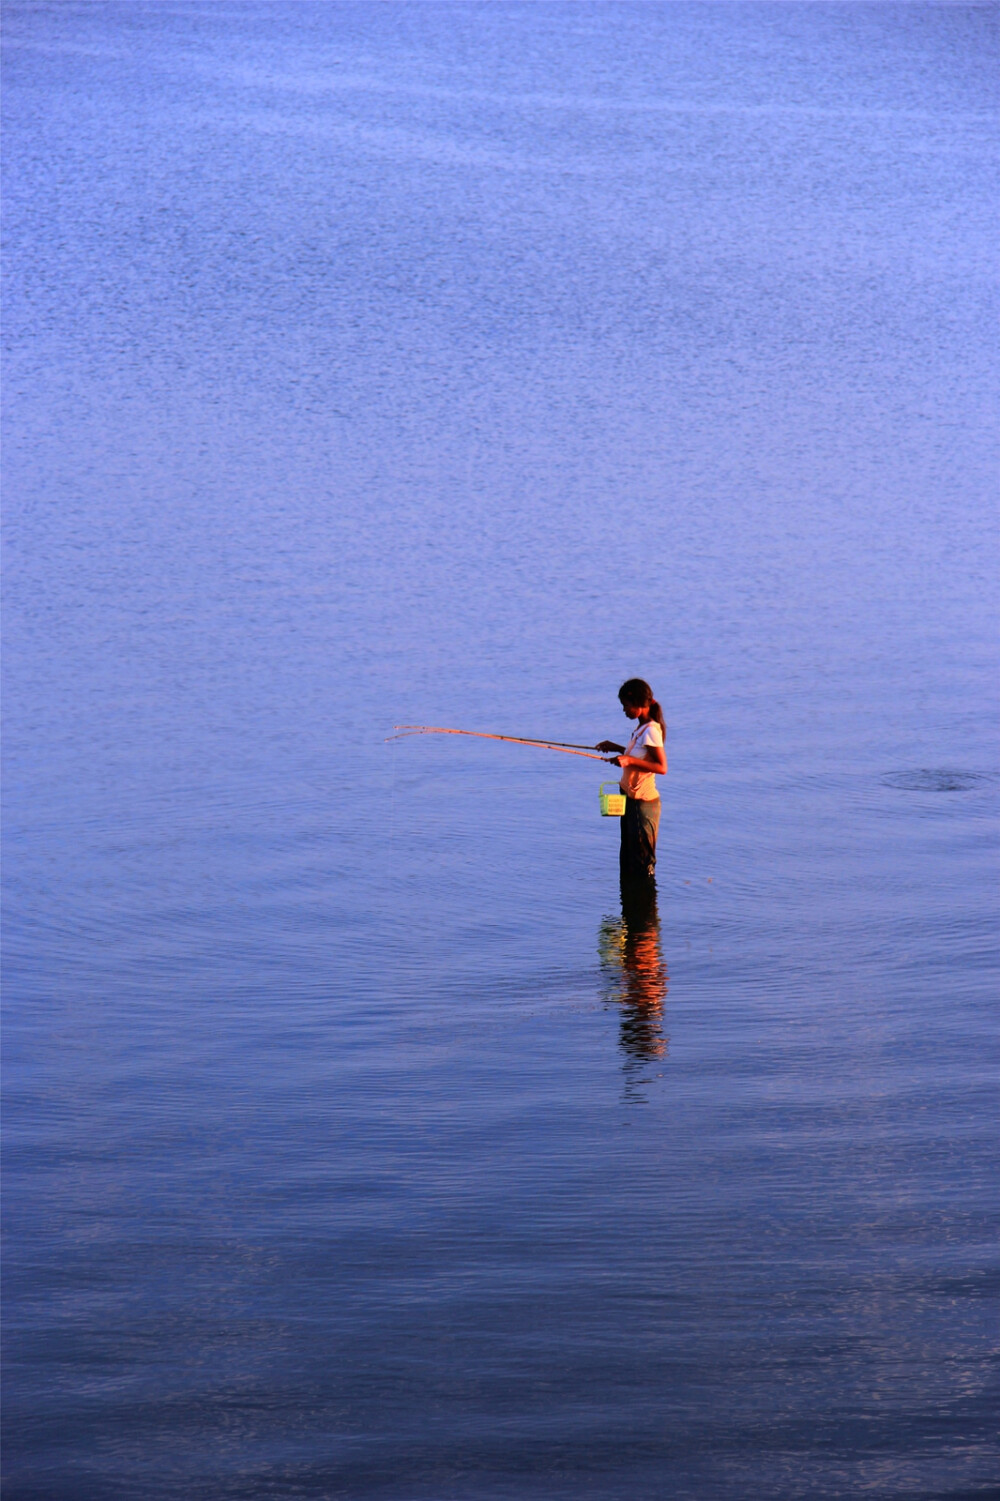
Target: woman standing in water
x,y
641,761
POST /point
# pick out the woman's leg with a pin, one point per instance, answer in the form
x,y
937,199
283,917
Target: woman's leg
x,y
640,825
649,827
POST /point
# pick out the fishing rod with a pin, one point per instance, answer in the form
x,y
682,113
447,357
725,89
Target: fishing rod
x,y
565,746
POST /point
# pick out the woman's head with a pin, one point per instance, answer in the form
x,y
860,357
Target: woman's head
x,y
637,695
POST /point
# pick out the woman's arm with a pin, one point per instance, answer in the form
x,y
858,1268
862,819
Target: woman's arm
x,y
609,745
654,760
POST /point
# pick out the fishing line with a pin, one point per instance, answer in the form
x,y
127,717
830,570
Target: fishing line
x,y
392,804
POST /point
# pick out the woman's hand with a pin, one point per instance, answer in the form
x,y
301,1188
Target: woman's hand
x,y
609,745
615,760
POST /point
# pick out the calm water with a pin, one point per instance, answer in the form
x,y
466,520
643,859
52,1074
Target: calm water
x,y
403,362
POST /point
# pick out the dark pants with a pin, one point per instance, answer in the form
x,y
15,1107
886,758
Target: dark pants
x,y
640,825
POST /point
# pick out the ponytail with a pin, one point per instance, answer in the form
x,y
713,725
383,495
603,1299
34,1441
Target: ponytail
x,y
639,694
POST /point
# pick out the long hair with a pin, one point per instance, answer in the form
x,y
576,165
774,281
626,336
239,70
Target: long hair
x,y
639,695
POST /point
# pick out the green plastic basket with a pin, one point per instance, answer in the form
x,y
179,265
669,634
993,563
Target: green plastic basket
x,y
612,803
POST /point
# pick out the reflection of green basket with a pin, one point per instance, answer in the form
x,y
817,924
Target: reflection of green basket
x,y
612,803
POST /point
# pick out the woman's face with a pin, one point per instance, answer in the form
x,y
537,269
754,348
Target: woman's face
x,y
632,710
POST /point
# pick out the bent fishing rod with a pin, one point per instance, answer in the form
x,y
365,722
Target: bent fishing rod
x,y
565,746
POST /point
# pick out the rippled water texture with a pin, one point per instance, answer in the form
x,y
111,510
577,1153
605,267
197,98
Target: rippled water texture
x,y
448,364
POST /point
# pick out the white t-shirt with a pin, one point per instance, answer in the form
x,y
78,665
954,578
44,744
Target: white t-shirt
x,y
636,783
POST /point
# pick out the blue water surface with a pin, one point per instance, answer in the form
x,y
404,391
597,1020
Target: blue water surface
x,y
446,364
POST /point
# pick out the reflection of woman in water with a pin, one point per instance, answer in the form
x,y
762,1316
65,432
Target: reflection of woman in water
x,y
642,760
630,952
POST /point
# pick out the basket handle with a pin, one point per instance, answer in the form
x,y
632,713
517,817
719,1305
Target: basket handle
x,y
610,784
